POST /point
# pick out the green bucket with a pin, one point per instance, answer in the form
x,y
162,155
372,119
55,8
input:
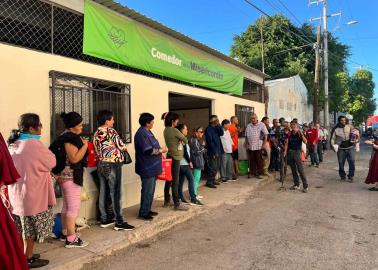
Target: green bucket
x,y
243,167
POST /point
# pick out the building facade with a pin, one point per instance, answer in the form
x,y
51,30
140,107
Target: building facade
x,y
288,98
44,70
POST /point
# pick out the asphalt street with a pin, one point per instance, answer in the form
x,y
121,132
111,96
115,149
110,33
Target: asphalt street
x,y
334,226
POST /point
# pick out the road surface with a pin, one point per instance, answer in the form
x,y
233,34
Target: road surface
x,y
334,226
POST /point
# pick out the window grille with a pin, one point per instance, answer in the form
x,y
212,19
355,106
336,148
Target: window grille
x,y
252,91
244,114
44,26
26,23
88,96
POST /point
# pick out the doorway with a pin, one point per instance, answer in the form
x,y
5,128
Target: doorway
x,y
193,111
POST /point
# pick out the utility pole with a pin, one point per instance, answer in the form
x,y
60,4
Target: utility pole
x,y
262,45
325,58
317,77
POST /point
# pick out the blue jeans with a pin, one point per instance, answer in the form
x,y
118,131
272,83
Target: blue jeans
x,y
314,154
350,156
110,175
186,172
147,195
226,166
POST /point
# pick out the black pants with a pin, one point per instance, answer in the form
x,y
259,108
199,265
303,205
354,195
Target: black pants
x,y
275,159
295,162
255,162
320,151
214,167
174,183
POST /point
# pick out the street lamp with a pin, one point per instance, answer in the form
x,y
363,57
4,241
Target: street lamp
x,y
352,22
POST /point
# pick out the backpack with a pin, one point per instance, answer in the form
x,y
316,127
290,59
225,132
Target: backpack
x,y
57,147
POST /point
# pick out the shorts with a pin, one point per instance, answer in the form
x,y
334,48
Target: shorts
x,y
235,154
71,198
37,227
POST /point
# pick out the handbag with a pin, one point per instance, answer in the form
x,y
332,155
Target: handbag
x,y
57,188
126,157
166,174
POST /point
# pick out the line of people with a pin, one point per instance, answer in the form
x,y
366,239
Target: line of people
x,y
214,150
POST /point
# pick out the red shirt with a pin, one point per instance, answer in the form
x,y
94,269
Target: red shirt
x,y
312,136
234,135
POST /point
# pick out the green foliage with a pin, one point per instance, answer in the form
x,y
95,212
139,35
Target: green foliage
x,y
283,58
357,94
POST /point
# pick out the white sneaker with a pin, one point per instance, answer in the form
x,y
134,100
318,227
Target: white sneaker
x,y
199,197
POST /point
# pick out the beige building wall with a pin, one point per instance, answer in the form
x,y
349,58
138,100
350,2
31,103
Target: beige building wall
x,y
24,88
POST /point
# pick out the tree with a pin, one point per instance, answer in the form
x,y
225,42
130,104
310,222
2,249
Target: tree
x,y
286,54
361,103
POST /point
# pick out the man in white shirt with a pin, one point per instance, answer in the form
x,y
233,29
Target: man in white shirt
x,y
256,135
227,161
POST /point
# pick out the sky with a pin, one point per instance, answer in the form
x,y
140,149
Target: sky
x,y
215,22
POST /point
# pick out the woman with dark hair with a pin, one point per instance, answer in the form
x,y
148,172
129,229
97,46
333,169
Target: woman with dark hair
x,y
197,151
174,140
32,196
110,152
147,163
186,167
71,177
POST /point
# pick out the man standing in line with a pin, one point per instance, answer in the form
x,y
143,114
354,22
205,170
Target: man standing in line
x,y
214,149
256,136
345,149
267,147
274,136
321,137
313,140
234,131
293,150
326,138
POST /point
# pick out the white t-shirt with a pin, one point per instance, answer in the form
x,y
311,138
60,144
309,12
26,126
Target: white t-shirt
x,y
227,142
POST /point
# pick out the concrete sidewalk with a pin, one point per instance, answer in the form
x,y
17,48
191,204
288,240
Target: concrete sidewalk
x,y
104,241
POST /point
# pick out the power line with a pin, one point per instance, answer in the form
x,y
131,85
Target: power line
x,y
292,14
304,37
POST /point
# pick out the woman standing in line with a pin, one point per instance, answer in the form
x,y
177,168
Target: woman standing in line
x,y
197,151
71,178
186,167
148,163
174,140
10,240
372,177
32,197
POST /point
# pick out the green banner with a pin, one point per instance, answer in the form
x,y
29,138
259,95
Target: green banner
x,y
113,37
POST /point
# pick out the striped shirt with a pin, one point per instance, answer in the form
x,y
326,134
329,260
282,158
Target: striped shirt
x,y
254,135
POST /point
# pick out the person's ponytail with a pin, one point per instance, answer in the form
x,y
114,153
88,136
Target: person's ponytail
x,y
14,136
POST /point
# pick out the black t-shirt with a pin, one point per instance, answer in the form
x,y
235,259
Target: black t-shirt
x,y
295,141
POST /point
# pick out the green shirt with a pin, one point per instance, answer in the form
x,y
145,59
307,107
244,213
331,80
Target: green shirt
x,y
173,137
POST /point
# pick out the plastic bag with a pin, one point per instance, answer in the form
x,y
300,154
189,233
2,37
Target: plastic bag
x,y
166,175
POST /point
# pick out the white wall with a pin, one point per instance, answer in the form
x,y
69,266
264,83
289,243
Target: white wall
x,y
24,76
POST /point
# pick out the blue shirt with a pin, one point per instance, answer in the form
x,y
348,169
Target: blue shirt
x,y
213,141
147,164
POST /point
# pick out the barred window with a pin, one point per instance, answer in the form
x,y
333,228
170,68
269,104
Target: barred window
x,y
87,96
252,91
244,114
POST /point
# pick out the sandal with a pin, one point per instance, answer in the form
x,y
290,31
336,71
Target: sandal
x,y
373,189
